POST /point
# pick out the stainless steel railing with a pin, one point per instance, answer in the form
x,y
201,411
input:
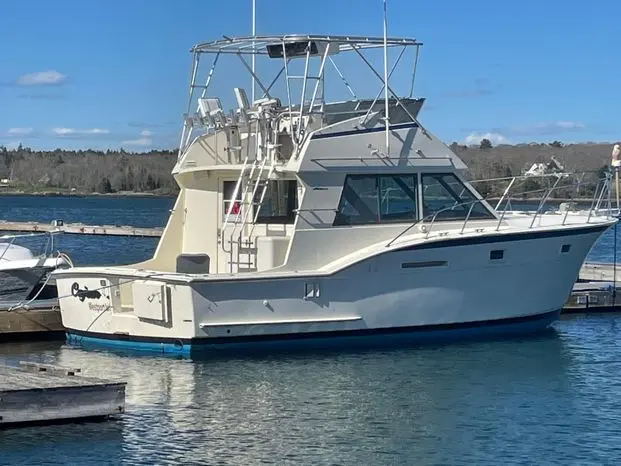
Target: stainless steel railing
x,y
602,189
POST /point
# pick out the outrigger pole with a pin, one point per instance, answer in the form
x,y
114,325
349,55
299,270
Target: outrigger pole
x,y
616,163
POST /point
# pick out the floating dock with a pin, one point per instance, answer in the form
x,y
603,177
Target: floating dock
x,y
594,296
38,393
40,322
600,272
79,229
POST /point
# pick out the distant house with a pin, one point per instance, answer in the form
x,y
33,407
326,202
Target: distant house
x,y
5,181
542,168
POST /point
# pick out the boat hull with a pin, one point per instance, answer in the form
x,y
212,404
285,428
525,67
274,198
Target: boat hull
x,y
17,284
461,286
352,339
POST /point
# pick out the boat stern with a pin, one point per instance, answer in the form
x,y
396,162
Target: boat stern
x,y
125,306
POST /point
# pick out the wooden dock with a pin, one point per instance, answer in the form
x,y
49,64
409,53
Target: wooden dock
x,y
37,393
601,272
79,229
594,297
41,322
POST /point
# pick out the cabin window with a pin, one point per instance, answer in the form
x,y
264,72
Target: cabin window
x,y
228,188
359,201
370,199
445,195
397,198
279,202
496,254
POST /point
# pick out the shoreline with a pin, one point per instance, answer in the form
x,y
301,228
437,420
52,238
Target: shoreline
x,y
85,194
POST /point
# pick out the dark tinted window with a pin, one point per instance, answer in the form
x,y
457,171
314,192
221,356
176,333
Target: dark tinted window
x,y
446,195
228,188
359,201
368,199
397,198
279,202
278,206
497,254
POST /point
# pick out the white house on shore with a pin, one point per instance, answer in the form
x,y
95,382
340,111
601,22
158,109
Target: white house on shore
x,y
542,168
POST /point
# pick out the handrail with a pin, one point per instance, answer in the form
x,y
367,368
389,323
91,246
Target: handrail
x,y
473,202
14,237
546,193
543,175
433,218
544,199
7,247
31,235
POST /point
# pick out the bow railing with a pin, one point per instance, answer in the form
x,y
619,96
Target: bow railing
x,y
601,195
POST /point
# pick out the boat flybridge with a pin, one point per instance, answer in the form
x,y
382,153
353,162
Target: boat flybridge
x,y
302,218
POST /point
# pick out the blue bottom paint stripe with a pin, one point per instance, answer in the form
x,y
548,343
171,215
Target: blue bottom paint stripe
x,y
510,327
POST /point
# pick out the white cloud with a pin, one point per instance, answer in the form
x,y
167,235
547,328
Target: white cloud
x,y
42,78
22,131
146,133
494,138
137,142
12,145
547,128
569,125
79,132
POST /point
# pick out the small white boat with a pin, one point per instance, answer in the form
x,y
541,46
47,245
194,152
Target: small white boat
x,y
304,220
23,273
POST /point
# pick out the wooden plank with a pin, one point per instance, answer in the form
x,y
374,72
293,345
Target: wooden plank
x,y
44,393
80,229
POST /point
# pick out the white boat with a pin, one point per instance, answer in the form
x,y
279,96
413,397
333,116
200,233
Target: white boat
x,y
301,220
23,272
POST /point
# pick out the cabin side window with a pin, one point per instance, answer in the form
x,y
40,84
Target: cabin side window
x,y
445,195
278,206
228,188
371,199
279,202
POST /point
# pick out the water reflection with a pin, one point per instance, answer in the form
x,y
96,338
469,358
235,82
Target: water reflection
x,y
80,443
418,405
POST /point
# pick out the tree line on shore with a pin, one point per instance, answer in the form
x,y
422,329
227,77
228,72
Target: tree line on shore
x,y
88,171
110,171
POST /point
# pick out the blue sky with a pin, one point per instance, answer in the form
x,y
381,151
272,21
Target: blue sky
x,y
110,73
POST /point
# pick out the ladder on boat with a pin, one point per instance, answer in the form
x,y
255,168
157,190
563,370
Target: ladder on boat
x,y
298,131
243,211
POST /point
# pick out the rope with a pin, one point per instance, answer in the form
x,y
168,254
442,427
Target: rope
x,y
25,305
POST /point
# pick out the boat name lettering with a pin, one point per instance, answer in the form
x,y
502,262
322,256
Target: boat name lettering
x,y
85,293
97,307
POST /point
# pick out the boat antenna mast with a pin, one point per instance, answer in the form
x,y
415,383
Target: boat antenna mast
x,y
386,115
254,33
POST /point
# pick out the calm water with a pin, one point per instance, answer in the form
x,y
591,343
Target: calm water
x,y
553,399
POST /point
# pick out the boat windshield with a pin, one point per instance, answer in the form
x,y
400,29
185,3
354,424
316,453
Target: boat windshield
x,y
445,195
